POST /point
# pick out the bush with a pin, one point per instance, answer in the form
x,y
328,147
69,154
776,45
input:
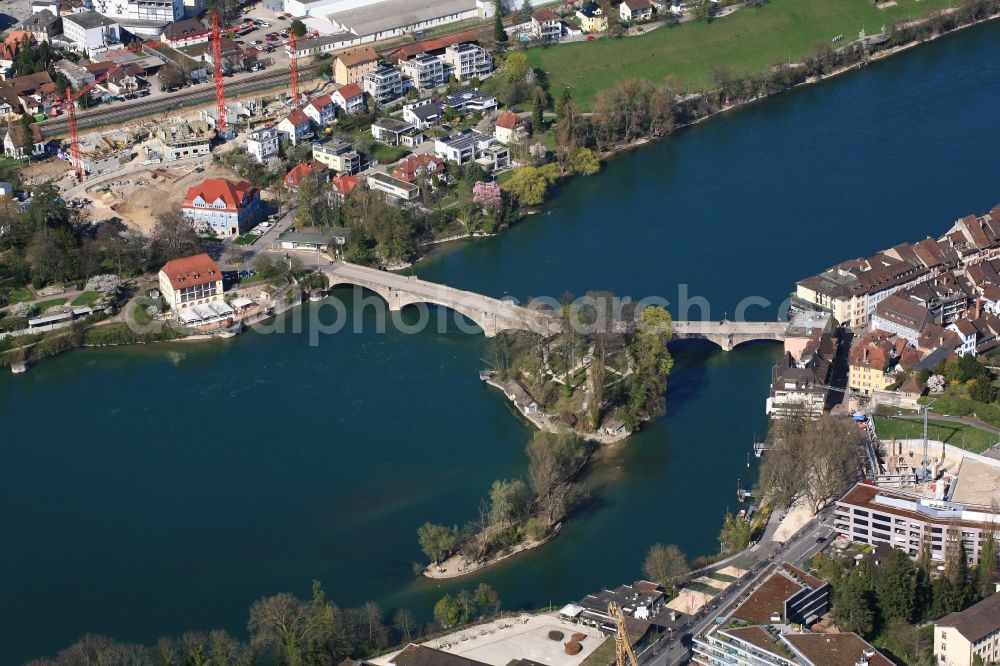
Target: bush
x,y
535,529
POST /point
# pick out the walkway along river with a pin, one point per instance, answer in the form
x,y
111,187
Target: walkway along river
x,y
152,490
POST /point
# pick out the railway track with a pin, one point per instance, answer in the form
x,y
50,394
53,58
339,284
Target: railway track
x,y
140,108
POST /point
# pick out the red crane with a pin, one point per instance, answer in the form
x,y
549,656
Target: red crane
x,y
74,140
293,64
220,93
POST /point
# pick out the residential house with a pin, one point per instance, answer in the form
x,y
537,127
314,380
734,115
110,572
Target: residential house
x,y
383,84
901,316
342,185
390,130
222,206
351,98
42,26
313,169
472,145
546,25
412,167
978,332
909,521
338,155
959,638
424,71
29,94
321,111
934,338
186,32
351,66
126,80
871,363
394,188
262,143
592,18
190,281
20,143
90,32
470,99
8,52
510,128
635,10
314,239
422,114
296,125
468,60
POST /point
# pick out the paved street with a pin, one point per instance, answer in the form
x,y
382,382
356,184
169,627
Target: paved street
x,y
802,547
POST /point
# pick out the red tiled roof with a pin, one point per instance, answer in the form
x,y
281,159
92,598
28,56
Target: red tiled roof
x,y
435,44
213,189
320,102
298,117
350,91
344,184
303,170
188,271
358,56
508,120
542,15
408,169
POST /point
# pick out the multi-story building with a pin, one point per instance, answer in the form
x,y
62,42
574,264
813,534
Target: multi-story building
x,y
262,143
351,98
470,99
321,111
186,32
871,363
296,125
975,632
635,10
756,645
424,71
313,170
190,281
383,84
592,18
152,11
909,521
901,316
546,25
394,188
42,26
180,140
351,66
221,206
423,114
90,32
411,168
472,145
468,60
337,155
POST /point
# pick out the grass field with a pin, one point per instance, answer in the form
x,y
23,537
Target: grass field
x,y
246,239
956,434
87,298
19,295
750,40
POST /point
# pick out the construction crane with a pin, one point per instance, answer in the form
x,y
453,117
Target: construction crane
x,y
74,135
220,88
623,646
293,65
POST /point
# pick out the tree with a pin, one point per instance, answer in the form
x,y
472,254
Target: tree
x,y
173,237
553,458
447,611
487,600
665,564
524,13
529,184
735,534
437,541
405,623
286,627
853,604
508,501
499,34
538,111
584,162
981,389
298,28
487,194
986,571
895,587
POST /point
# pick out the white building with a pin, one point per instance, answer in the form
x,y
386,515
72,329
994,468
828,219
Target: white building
x,y
296,125
263,143
468,60
383,84
371,20
546,25
159,12
190,281
635,10
90,32
394,188
975,632
351,98
422,114
321,111
424,71
472,145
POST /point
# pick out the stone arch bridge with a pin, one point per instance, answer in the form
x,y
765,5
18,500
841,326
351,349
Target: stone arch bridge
x,y
494,315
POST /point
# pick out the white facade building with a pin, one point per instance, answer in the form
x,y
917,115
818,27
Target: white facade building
x,y
468,60
153,11
424,71
383,84
90,32
262,143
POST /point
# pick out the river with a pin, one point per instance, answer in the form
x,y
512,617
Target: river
x,y
150,490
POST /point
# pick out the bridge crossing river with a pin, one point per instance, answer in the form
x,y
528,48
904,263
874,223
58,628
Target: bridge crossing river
x,y
494,315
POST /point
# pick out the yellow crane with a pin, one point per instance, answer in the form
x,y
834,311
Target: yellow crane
x,y
623,646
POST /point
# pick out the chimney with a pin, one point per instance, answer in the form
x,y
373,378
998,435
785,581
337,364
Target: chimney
x,y
979,307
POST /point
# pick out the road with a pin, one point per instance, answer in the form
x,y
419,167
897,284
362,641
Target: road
x,y
800,548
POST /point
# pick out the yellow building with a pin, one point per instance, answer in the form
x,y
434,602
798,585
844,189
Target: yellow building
x,y
351,66
592,18
869,363
975,632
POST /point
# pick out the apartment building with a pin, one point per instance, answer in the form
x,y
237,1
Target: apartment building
x,y
222,206
190,281
908,521
468,60
975,632
262,143
384,84
424,71
337,155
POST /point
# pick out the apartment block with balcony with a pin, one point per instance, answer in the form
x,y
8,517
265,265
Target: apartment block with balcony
x,y
468,60
424,71
384,84
337,155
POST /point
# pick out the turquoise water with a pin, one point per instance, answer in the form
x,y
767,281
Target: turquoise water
x,y
148,491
